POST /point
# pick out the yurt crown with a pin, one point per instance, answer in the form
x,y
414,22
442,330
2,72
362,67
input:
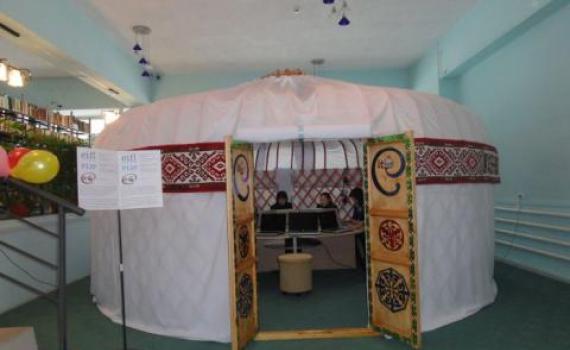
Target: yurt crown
x,y
284,73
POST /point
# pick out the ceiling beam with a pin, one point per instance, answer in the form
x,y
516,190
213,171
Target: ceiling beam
x,y
486,28
61,32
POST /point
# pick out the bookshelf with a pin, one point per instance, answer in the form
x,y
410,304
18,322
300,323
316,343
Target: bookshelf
x,y
32,117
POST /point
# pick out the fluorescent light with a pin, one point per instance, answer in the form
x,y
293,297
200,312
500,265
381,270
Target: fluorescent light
x,y
15,78
3,71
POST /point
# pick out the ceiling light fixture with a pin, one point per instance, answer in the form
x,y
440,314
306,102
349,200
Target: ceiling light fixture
x,y
15,78
140,32
317,62
3,71
137,48
339,12
142,48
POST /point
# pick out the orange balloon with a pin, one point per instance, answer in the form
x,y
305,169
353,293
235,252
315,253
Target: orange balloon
x,y
16,154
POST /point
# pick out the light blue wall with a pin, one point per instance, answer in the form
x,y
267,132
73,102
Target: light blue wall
x,y
19,235
522,94
70,92
484,29
399,78
425,73
181,84
515,75
174,85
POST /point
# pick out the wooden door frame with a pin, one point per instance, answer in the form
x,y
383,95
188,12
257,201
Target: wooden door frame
x,y
232,263
326,333
298,334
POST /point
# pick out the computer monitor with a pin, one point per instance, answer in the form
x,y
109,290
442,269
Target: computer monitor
x,y
271,221
328,220
303,221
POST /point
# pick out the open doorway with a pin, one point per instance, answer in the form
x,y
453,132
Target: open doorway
x,y
392,286
311,174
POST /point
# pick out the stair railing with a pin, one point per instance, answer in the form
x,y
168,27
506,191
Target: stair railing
x,y
63,207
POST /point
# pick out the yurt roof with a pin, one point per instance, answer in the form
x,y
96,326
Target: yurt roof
x,y
309,155
291,107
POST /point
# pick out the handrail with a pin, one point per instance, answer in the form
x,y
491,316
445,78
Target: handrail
x,y
63,207
534,238
532,224
44,194
532,250
28,288
534,212
28,255
32,225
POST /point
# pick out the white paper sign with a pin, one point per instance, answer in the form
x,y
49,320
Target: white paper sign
x,y
118,179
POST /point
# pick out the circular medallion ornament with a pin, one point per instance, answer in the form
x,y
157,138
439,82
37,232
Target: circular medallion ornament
x,y
391,235
245,296
243,241
383,161
241,178
392,290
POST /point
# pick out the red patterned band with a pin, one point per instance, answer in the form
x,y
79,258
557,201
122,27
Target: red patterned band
x,y
196,167
200,167
441,161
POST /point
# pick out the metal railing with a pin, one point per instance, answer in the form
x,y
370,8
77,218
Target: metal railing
x,y
63,207
534,212
536,238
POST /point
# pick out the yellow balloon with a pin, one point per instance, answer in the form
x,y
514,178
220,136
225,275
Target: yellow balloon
x,y
36,167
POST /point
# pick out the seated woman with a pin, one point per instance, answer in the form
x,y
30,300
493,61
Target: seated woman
x,y
325,201
282,201
356,198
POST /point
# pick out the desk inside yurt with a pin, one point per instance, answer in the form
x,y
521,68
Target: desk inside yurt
x,y
334,251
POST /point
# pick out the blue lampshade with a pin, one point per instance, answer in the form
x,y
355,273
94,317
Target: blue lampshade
x,y
137,48
328,2
143,61
343,21
145,74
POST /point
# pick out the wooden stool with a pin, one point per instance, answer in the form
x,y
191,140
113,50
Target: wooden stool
x,y
295,272
18,338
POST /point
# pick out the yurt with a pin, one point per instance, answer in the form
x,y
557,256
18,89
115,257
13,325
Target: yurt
x,y
293,174
176,257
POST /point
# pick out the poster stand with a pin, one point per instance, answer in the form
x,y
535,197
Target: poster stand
x,y
117,180
122,281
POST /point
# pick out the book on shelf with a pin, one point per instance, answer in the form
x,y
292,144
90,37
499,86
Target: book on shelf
x,y
41,114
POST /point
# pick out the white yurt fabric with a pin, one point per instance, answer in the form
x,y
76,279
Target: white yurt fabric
x,y
176,256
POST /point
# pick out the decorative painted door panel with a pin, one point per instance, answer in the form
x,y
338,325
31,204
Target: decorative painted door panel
x,y
241,243
392,237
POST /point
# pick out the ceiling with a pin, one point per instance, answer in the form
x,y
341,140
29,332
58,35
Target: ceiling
x,y
21,58
263,35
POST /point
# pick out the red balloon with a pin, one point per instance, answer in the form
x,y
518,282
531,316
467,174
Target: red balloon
x,y
15,155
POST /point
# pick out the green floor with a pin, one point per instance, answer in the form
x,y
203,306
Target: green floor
x,y
347,299
531,312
